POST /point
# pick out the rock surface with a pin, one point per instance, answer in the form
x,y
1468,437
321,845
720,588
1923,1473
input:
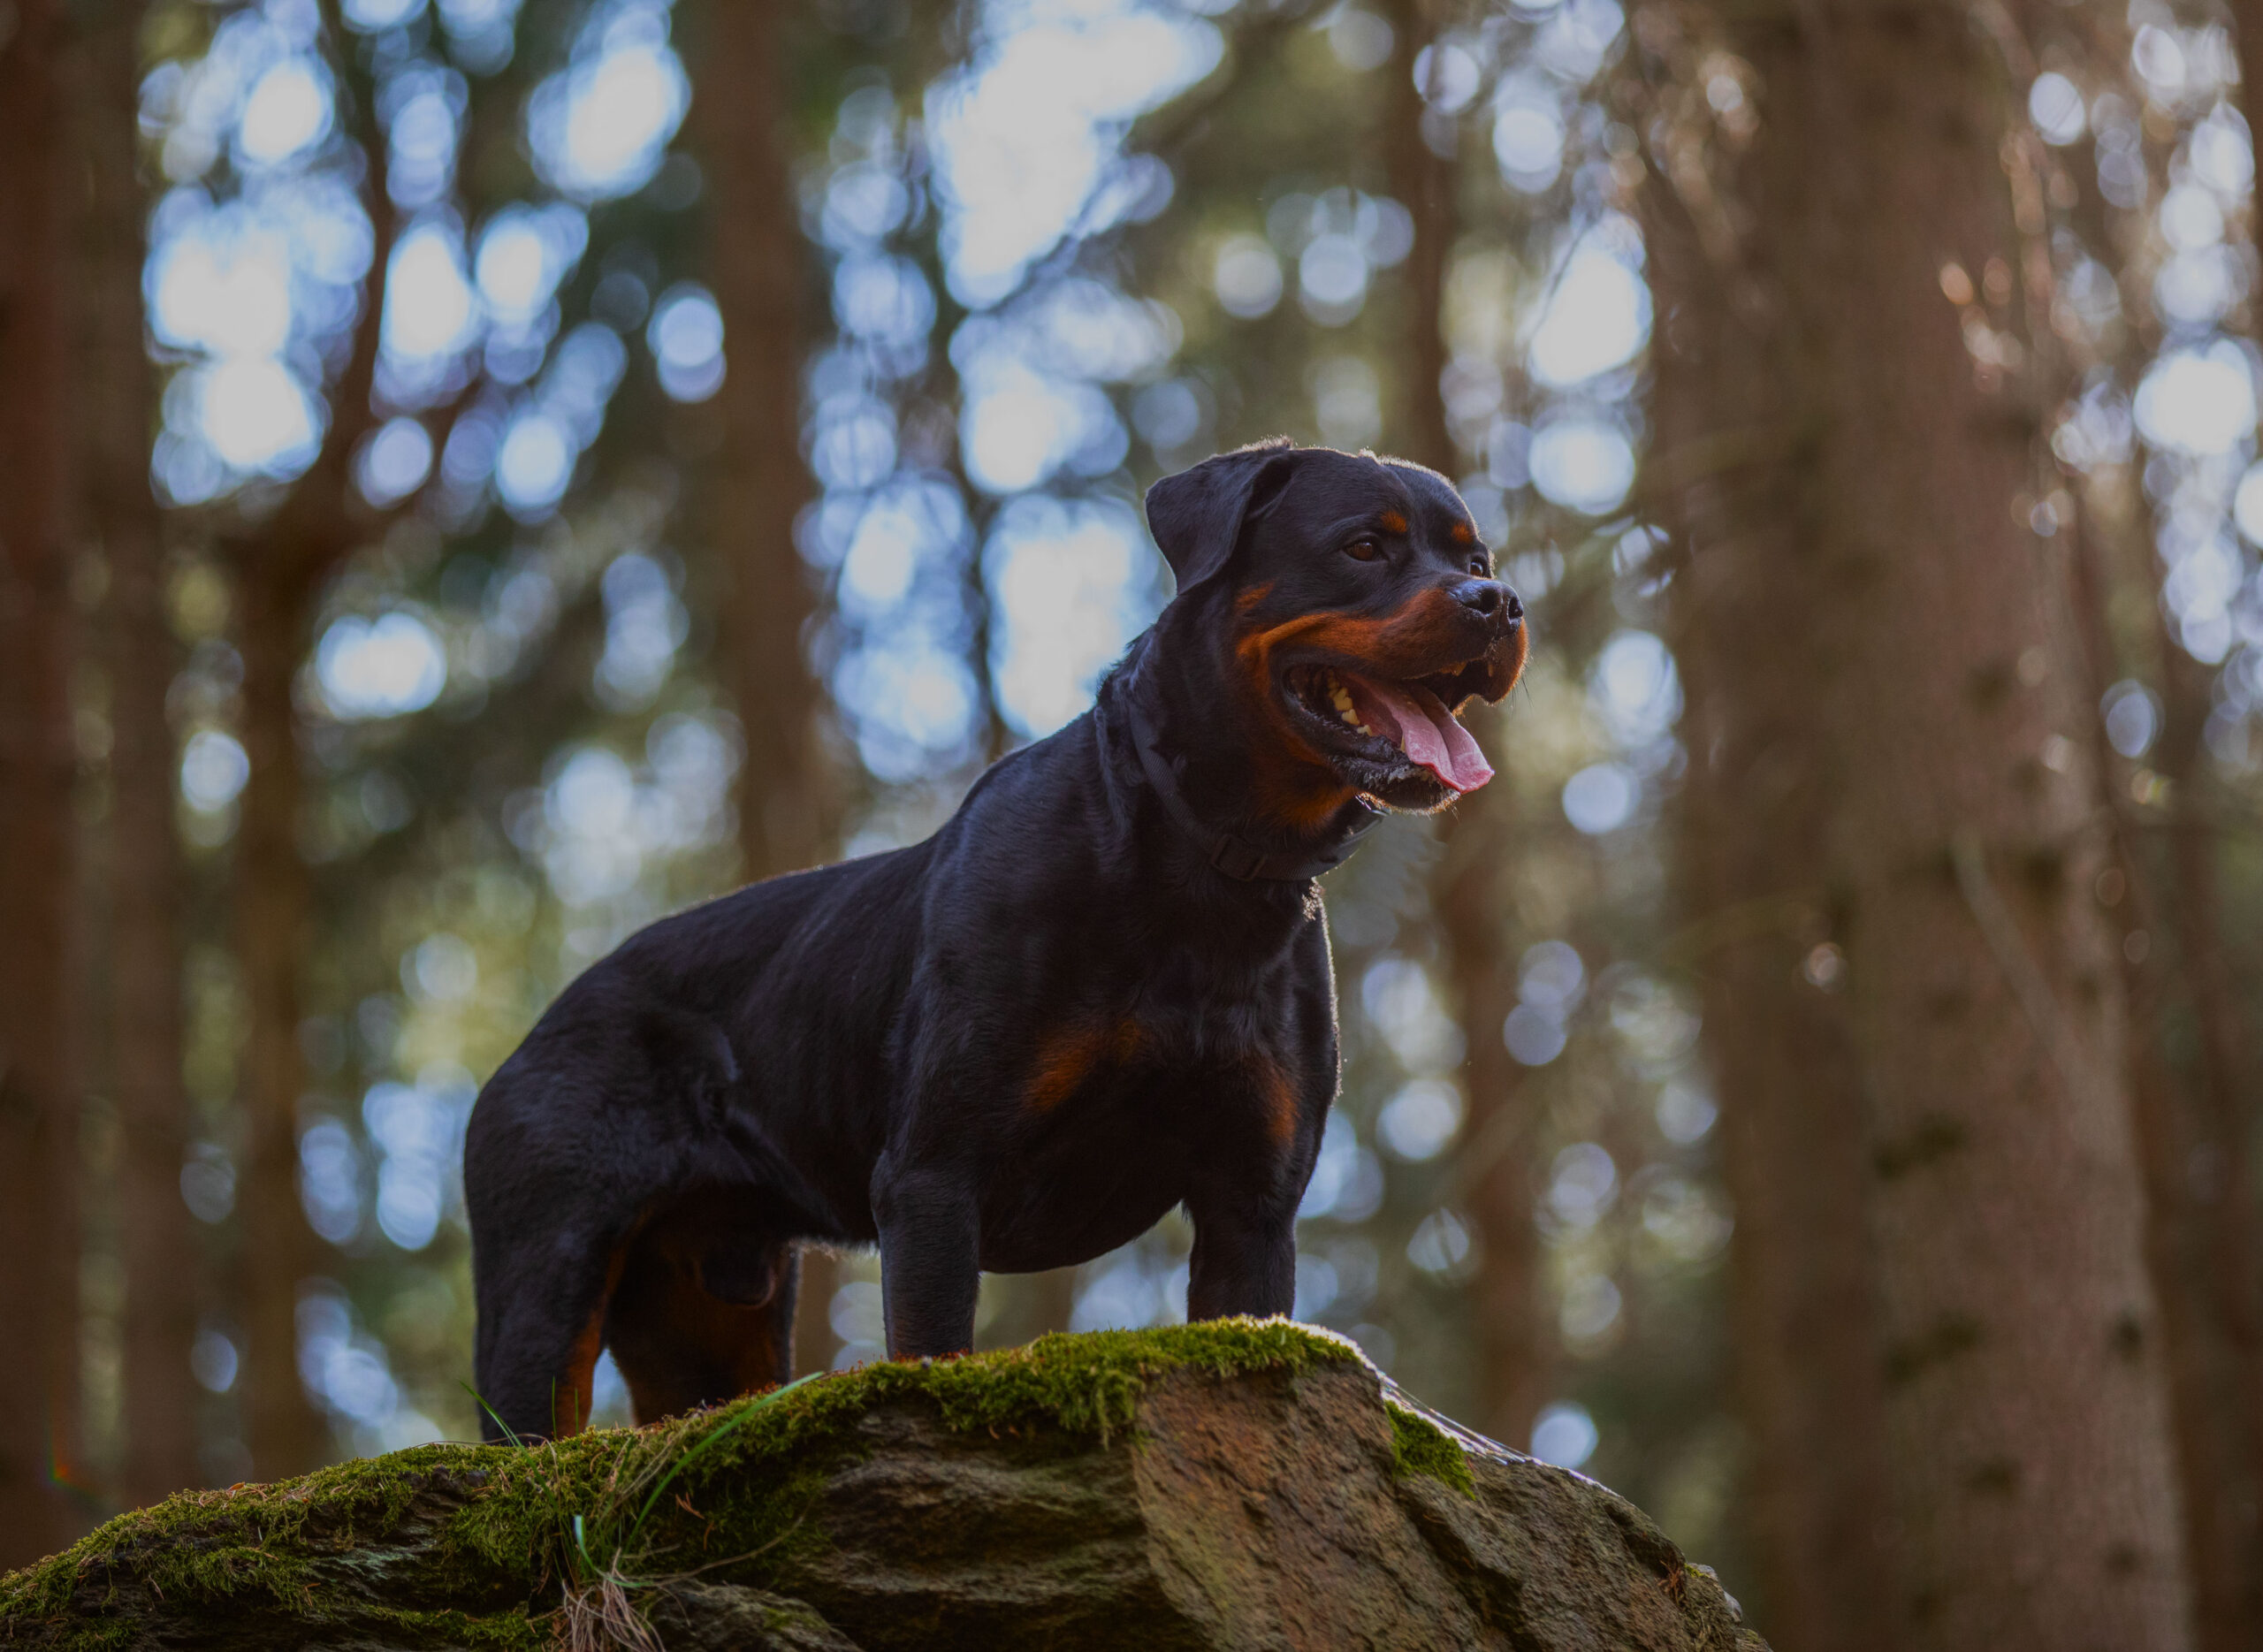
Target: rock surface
x,y
1226,1486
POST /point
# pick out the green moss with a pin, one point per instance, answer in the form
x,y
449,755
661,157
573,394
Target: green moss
x,y
510,1631
497,1524
1419,1446
1087,1383
109,1637
208,1545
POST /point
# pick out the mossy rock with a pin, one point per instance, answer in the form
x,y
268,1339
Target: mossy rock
x,y
1236,1484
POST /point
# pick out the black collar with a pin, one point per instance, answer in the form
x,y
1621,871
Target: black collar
x,y
1239,860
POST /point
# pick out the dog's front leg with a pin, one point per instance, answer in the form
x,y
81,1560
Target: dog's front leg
x,y
930,1266
1245,1258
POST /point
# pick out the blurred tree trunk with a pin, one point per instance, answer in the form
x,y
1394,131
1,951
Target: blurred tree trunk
x,y
281,565
1423,181
272,902
1467,886
2213,1175
1052,1297
1809,1373
2221,1179
755,486
814,1342
1033,1304
2194,1097
1876,651
1754,863
281,571
2212,1388
1516,1344
39,1117
157,1246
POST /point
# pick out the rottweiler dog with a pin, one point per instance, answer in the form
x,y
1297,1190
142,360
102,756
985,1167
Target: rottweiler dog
x,y
1102,989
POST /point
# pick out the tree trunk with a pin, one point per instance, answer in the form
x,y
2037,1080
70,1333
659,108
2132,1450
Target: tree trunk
x,y
1423,181
2210,1399
1802,1295
280,575
814,1342
157,1246
1033,1304
2194,1110
281,568
39,1143
1755,817
755,486
1875,653
1515,1344
2231,1077
272,910
2193,1127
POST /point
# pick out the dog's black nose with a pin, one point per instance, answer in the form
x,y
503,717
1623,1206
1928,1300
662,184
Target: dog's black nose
x,y
1491,600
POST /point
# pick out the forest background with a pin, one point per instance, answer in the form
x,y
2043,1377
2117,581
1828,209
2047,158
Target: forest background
x,y
478,476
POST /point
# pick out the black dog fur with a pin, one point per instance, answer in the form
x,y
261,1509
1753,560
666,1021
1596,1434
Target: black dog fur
x,y
1018,1044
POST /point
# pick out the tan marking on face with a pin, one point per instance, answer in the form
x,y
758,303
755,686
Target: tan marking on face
x,y
1521,644
1393,522
1406,644
1463,533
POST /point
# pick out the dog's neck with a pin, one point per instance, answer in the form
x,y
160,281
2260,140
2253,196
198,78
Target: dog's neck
x,y
1159,720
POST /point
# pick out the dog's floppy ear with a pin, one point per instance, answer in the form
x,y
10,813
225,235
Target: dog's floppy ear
x,y
1197,515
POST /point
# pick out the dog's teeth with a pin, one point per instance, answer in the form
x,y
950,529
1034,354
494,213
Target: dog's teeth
x,y
1340,698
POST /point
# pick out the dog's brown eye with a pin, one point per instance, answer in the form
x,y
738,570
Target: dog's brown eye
x,y
1362,551
1480,567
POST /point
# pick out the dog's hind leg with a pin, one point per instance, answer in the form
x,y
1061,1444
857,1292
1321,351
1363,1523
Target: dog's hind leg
x,y
691,1329
541,1326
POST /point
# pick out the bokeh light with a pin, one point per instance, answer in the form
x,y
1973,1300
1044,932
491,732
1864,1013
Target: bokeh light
x,y
1565,1433
383,668
599,126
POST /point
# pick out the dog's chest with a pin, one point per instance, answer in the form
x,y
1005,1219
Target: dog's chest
x,y
1093,1054
1112,1123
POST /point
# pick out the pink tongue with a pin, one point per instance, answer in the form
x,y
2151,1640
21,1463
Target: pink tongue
x,y
1424,728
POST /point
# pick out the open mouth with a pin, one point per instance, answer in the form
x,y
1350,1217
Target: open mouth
x,y
1397,724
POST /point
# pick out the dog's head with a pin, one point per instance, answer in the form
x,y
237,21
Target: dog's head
x,y
1358,613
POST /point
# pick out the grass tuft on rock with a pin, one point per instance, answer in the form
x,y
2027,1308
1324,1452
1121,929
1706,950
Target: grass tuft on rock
x,y
522,1527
